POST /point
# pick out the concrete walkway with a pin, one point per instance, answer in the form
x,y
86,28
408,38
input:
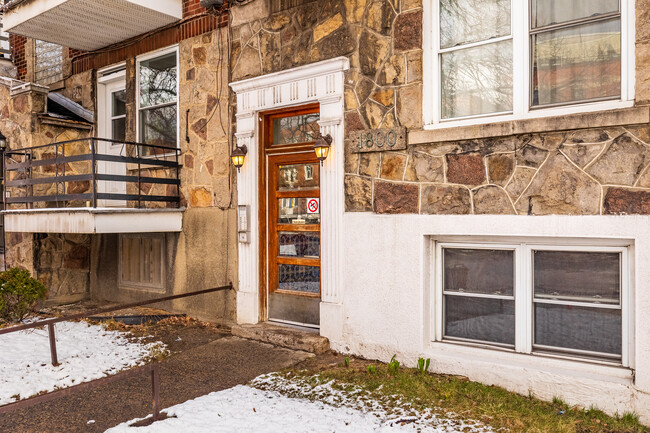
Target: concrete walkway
x,y
217,365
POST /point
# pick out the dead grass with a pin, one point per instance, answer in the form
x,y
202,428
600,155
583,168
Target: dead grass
x,y
494,406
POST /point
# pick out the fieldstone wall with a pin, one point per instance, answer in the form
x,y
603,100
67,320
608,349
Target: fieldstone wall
x,y
583,172
382,38
62,263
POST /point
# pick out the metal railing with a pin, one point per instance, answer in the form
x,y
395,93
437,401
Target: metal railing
x,y
153,368
92,172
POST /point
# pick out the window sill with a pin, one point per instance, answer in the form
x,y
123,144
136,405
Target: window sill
x,y
556,364
597,119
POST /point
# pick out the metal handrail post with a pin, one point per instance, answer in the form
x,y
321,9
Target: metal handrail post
x,y
94,170
52,336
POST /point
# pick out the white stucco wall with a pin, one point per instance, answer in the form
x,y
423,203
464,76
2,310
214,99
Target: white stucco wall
x,y
388,287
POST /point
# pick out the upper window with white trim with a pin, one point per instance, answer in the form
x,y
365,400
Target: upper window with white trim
x,y
570,301
158,100
515,58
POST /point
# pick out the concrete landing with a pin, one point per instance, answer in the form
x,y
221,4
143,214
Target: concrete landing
x,y
283,336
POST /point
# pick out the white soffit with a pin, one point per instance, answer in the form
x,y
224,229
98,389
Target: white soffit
x,y
89,25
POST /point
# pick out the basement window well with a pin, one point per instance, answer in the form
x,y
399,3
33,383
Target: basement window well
x,y
569,301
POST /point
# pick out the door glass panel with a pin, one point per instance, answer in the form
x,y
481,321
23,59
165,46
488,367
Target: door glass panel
x,y
299,244
297,278
295,211
577,63
295,129
119,103
158,127
577,276
119,129
488,272
546,12
298,176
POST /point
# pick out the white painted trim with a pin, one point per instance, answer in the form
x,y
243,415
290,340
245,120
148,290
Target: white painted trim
x,y
321,82
521,74
96,221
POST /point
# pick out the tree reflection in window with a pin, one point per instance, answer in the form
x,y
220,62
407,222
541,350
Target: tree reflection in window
x,y
158,102
295,129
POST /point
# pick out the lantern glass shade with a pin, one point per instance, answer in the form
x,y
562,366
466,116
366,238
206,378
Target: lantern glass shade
x,y
3,142
322,147
238,156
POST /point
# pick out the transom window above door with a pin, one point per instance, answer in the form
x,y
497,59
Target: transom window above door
x,y
516,59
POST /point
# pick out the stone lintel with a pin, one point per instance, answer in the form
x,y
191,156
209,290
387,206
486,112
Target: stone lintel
x,y
598,119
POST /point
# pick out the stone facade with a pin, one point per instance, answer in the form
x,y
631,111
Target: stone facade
x,y
579,172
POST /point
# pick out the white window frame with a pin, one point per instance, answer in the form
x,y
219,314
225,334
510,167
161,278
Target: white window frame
x,y
148,56
163,268
523,294
520,19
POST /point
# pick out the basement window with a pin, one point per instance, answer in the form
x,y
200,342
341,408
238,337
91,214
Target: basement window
x,y
537,299
141,260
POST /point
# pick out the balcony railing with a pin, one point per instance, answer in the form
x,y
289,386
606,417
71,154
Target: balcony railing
x,y
92,172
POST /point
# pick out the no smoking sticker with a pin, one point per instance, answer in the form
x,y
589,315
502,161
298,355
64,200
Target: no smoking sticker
x,y
313,205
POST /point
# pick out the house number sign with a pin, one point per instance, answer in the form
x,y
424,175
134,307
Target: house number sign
x,y
377,140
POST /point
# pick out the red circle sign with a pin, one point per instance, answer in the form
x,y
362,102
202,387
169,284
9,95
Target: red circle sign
x,y
312,205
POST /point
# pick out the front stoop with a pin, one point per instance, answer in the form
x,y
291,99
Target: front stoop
x,y
283,336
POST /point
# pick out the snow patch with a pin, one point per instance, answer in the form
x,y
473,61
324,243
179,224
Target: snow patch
x,y
86,352
324,410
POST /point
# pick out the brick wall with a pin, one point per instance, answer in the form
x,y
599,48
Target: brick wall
x,y
17,44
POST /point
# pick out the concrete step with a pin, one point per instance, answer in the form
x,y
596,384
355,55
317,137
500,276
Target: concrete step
x,y
284,336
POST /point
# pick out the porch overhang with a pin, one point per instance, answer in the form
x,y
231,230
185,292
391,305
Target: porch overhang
x,y
93,220
89,25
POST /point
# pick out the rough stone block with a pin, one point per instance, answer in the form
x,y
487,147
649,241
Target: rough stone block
x,y
500,168
619,201
466,169
395,198
425,168
407,31
621,163
392,166
492,200
409,106
446,200
358,194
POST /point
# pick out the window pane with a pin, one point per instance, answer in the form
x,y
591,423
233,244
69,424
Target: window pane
x,y
119,129
479,271
467,21
592,329
577,276
295,129
299,278
158,127
158,80
294,244
477,80
577,64
491,320
295,211
546,12
299,176
119,103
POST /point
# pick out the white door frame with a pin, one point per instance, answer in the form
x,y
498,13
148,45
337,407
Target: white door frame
x,y
106,85
321,82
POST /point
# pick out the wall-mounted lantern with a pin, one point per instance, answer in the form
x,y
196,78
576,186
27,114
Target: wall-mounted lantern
x,y
238,156
322,147
3,142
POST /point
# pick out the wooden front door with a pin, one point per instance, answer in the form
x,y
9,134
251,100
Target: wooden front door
x,y
292,217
